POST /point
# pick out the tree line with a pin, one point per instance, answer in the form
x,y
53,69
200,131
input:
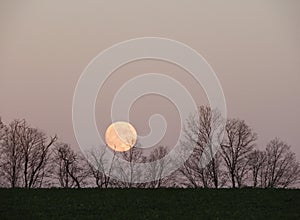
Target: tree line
x,y
31,159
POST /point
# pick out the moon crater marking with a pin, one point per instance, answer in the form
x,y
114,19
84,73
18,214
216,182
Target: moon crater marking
x,y
120,136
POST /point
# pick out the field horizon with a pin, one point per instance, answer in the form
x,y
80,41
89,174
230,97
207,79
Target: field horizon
x,y
168,203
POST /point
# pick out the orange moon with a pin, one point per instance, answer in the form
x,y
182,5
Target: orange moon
x,y
120,136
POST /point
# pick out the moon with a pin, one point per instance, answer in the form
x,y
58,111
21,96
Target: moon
x,y
120,136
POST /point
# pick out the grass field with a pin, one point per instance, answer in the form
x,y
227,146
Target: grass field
x,y
149,204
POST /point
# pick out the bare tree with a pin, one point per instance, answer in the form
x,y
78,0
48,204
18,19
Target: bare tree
x,y
3,133
96,165
11,155
28,160
131,173
70,167
25,153
281,168
256,162
157,167
203,168
237,144
35,153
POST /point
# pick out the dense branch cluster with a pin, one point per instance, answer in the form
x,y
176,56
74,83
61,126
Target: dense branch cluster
x,y
31,159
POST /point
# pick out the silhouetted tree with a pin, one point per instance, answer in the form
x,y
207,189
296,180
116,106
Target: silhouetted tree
x,y
28,160
3,130
237,144
256,162
11,153
157,167
70,167
96,167
25,153
203,168
131,174
281,170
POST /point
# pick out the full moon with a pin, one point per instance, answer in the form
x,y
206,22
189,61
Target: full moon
x,y
120,136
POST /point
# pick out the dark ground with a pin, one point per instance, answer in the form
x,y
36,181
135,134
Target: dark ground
x,y
149,204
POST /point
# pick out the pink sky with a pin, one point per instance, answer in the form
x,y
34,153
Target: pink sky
x,y
253,46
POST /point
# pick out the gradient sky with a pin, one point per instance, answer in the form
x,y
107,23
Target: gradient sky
x,y
253,46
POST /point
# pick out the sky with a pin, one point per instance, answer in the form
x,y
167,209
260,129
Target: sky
x,y
253,46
